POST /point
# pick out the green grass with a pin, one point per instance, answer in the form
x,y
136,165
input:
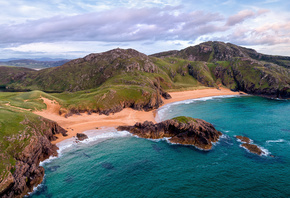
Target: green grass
x,y
27,100
12,129
184,119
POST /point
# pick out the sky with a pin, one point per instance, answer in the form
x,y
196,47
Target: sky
x,y
74,28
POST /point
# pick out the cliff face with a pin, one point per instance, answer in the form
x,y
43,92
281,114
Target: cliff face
x,y
181,130
253,77
26,172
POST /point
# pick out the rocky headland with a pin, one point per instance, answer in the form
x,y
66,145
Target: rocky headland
x,y
179,130
26,173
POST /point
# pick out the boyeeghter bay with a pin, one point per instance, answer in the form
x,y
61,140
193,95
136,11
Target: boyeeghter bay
x,y
144,99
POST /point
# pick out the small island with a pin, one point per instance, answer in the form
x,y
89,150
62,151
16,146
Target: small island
x,y
179,130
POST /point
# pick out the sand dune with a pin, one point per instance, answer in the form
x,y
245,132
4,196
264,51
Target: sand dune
x,y
80,123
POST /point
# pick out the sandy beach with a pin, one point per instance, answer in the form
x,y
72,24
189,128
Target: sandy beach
x,y
80,123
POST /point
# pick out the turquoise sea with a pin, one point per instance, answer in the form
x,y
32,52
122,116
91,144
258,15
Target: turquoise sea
x,y
116,164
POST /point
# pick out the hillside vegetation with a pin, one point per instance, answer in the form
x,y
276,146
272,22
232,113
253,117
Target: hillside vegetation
x,y
210,64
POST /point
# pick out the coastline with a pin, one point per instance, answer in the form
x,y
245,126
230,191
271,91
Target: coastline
x,y
80,123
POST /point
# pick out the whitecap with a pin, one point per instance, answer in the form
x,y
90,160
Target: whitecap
x,y
276,141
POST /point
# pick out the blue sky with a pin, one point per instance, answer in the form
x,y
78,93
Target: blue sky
x,y
75,28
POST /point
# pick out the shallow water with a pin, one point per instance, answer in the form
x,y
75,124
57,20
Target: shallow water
x,y
120,165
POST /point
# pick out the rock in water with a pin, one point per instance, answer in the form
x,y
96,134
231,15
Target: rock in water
x,y
181,130
253,148
243,139
250,147
81,136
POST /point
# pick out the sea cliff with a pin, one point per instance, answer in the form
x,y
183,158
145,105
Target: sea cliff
x,y
26,173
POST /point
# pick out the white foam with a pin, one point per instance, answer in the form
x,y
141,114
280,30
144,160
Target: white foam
x,y
161,112
93,136
276,141
265,151
105,133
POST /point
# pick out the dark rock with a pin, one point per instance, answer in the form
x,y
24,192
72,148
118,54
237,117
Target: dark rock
x,y
81,136
86,155
195,132
107,165
243,139
27,172
156,148
166,95
253,148
69,179
249,146
53,168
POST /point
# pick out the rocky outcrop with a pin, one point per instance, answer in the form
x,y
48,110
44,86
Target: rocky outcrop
x,y
180,130
253,148
243,139
81,136
247,144
26,172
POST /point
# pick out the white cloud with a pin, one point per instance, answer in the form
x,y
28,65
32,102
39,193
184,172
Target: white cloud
x,y
243,15
74,27
118,25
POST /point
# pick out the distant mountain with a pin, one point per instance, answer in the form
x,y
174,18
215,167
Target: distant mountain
x,y
49,59
212,51
210,64
34,64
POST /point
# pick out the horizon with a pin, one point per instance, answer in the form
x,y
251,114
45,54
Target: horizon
x,y
69,30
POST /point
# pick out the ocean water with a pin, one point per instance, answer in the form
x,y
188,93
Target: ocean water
x,y
116,164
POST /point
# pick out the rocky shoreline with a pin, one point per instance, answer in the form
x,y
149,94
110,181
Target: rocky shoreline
x,y
179,130
27,173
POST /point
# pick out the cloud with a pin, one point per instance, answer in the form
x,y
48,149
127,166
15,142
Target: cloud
x,y
240,17
243,15
37,26
118,25
269,34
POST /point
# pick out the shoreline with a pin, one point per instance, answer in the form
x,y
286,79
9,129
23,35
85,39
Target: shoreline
x,y
84,122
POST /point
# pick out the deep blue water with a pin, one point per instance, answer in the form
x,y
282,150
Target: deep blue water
x,y
120,165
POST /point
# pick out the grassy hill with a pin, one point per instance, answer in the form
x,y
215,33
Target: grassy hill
x,y
237,68
209,64
212,51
